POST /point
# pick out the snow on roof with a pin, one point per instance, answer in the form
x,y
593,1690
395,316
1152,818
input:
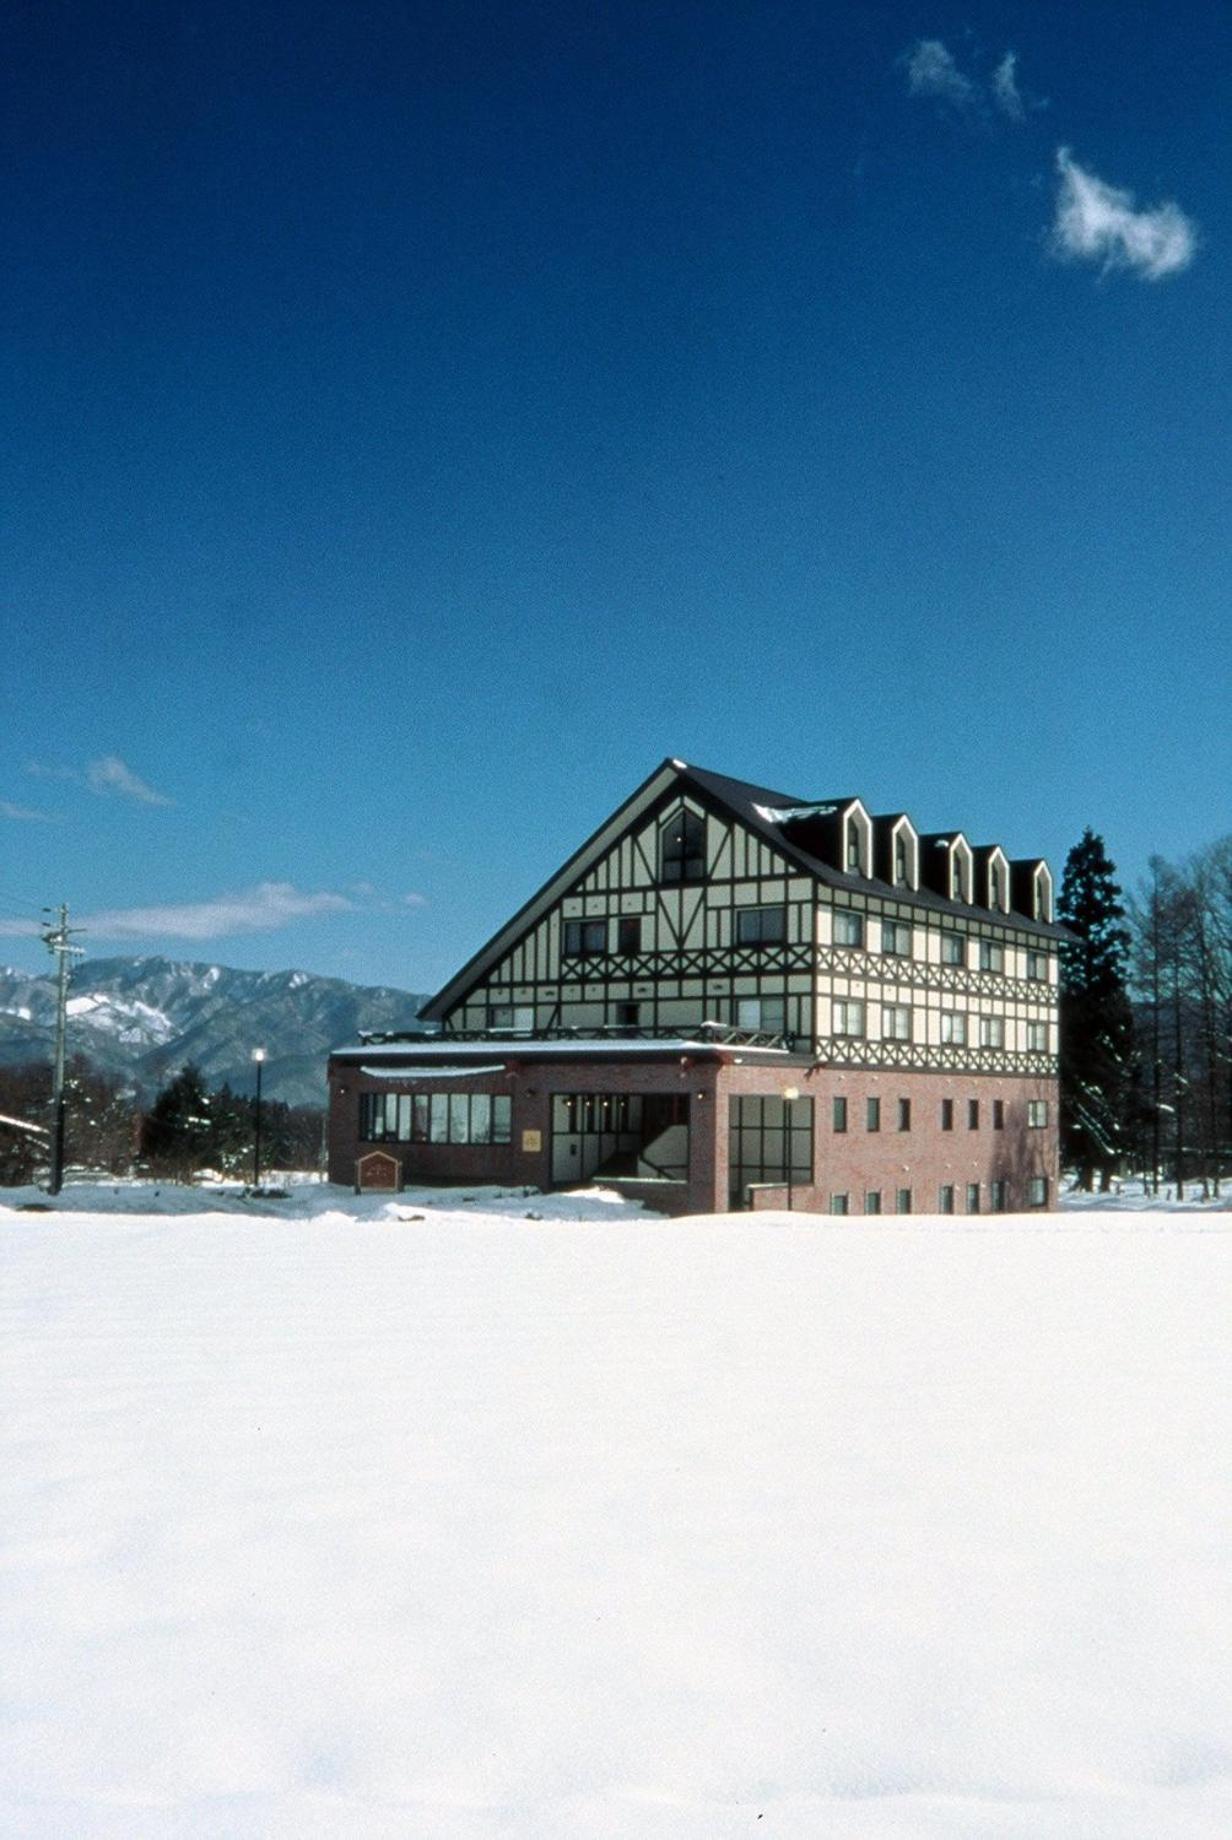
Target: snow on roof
x,y
557,1050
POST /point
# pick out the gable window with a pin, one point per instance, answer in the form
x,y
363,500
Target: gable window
x,y
848,928
518,1018
585,938
848,1016
956,879
994,886
853,847
900,860
953,949
628,935
896,937
682,848
896,1021
761,926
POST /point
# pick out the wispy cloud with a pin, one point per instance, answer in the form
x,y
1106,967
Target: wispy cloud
x,y
262,909
1005,91
110,775
931,71
46,769
24,814
414,900
1097,222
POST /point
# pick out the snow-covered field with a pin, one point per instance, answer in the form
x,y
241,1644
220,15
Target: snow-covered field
x,y
424,1517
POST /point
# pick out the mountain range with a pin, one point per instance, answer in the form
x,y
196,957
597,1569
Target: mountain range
x,y
143,1018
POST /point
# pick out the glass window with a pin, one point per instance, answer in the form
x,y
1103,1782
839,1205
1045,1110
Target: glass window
x,y
904,1114
682,848
945,1198
459,1118
627,1015
973,1114
973,1197
956,878
998,1114
438,1128
992,1031
954,1027
839,1204
848,1017
502,1118
419,1119
853,846
1037,1191
953,949
994,886
872,1201
1037,967
629,935
585,938
998,1194
992,955
896,937
1037,1114
760,926
872,1114
481,1118
517,1017
947,1114
896,1021
765,1013
1037,1037
839,1109
902,1201
900,859
848,927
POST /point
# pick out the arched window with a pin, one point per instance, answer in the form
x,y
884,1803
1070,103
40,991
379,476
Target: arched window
x,y
682,848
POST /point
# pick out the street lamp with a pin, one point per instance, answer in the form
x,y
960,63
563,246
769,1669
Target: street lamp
x,y
258,1055
790,1095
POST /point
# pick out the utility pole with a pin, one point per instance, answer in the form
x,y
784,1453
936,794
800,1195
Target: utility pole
x,y
56,938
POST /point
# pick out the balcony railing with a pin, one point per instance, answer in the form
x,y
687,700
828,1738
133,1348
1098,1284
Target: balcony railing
x,y
720,1034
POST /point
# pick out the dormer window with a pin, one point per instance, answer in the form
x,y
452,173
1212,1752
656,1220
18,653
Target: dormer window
x,y
900,860
853,847
682,848
956,880
994,886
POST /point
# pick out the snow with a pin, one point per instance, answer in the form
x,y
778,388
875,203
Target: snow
x,y
502,1516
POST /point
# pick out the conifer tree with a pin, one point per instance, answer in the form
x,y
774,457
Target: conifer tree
x,y
1096,1018
178,1129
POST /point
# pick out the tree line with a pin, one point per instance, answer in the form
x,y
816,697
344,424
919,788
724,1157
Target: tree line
x,y
186,1129
1146,1019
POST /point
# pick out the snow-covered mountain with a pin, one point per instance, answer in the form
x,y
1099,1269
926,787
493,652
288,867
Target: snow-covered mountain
x,y
143,1018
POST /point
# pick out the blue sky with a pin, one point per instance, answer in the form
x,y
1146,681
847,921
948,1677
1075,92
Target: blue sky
x,y
422,420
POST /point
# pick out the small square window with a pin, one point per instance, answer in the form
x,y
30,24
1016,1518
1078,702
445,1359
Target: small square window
x,y
848,927
992,1031
1037,1037
904,1114
585,938
848,1018
839,1204
517,1018
896,938
872,1114
992,955
954,1027
1037,1114
628,1015
767,1014
1037,967
953,949
839,1114
896,1021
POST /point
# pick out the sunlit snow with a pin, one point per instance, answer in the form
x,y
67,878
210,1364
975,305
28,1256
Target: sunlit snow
x,y
481,1516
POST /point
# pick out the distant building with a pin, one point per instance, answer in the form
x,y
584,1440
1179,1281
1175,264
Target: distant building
x,y
732,998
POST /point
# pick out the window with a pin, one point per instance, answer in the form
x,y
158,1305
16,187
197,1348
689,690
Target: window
x,y
998,1194
896,1021
848,1016
900,860
583,1114
973,1114
839,1204
902,1201
896,937
771,1140
1037,967
519,1018
848,927
436,1118
953,949
992,955
872,1201
629,935
904,1114
956,879
992,1031
1037,1037
628,1015
947,1114
954,1027
853,847
998,1114
585,938
994,886
973,1197
872,1114
760,926
763,1013
945,1198
1037,1114
839,1108
1037,1192
682,848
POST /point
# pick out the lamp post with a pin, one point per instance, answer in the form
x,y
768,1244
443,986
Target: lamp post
x,y
258,1055
790,1095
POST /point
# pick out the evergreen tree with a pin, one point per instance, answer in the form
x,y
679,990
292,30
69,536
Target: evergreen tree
x,y
177,1133
1096,1019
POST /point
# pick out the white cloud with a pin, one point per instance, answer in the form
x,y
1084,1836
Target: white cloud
x,y
1005,92
262,909
931,71
44,769
19,929
414,900
109,774
24,814
1096,222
